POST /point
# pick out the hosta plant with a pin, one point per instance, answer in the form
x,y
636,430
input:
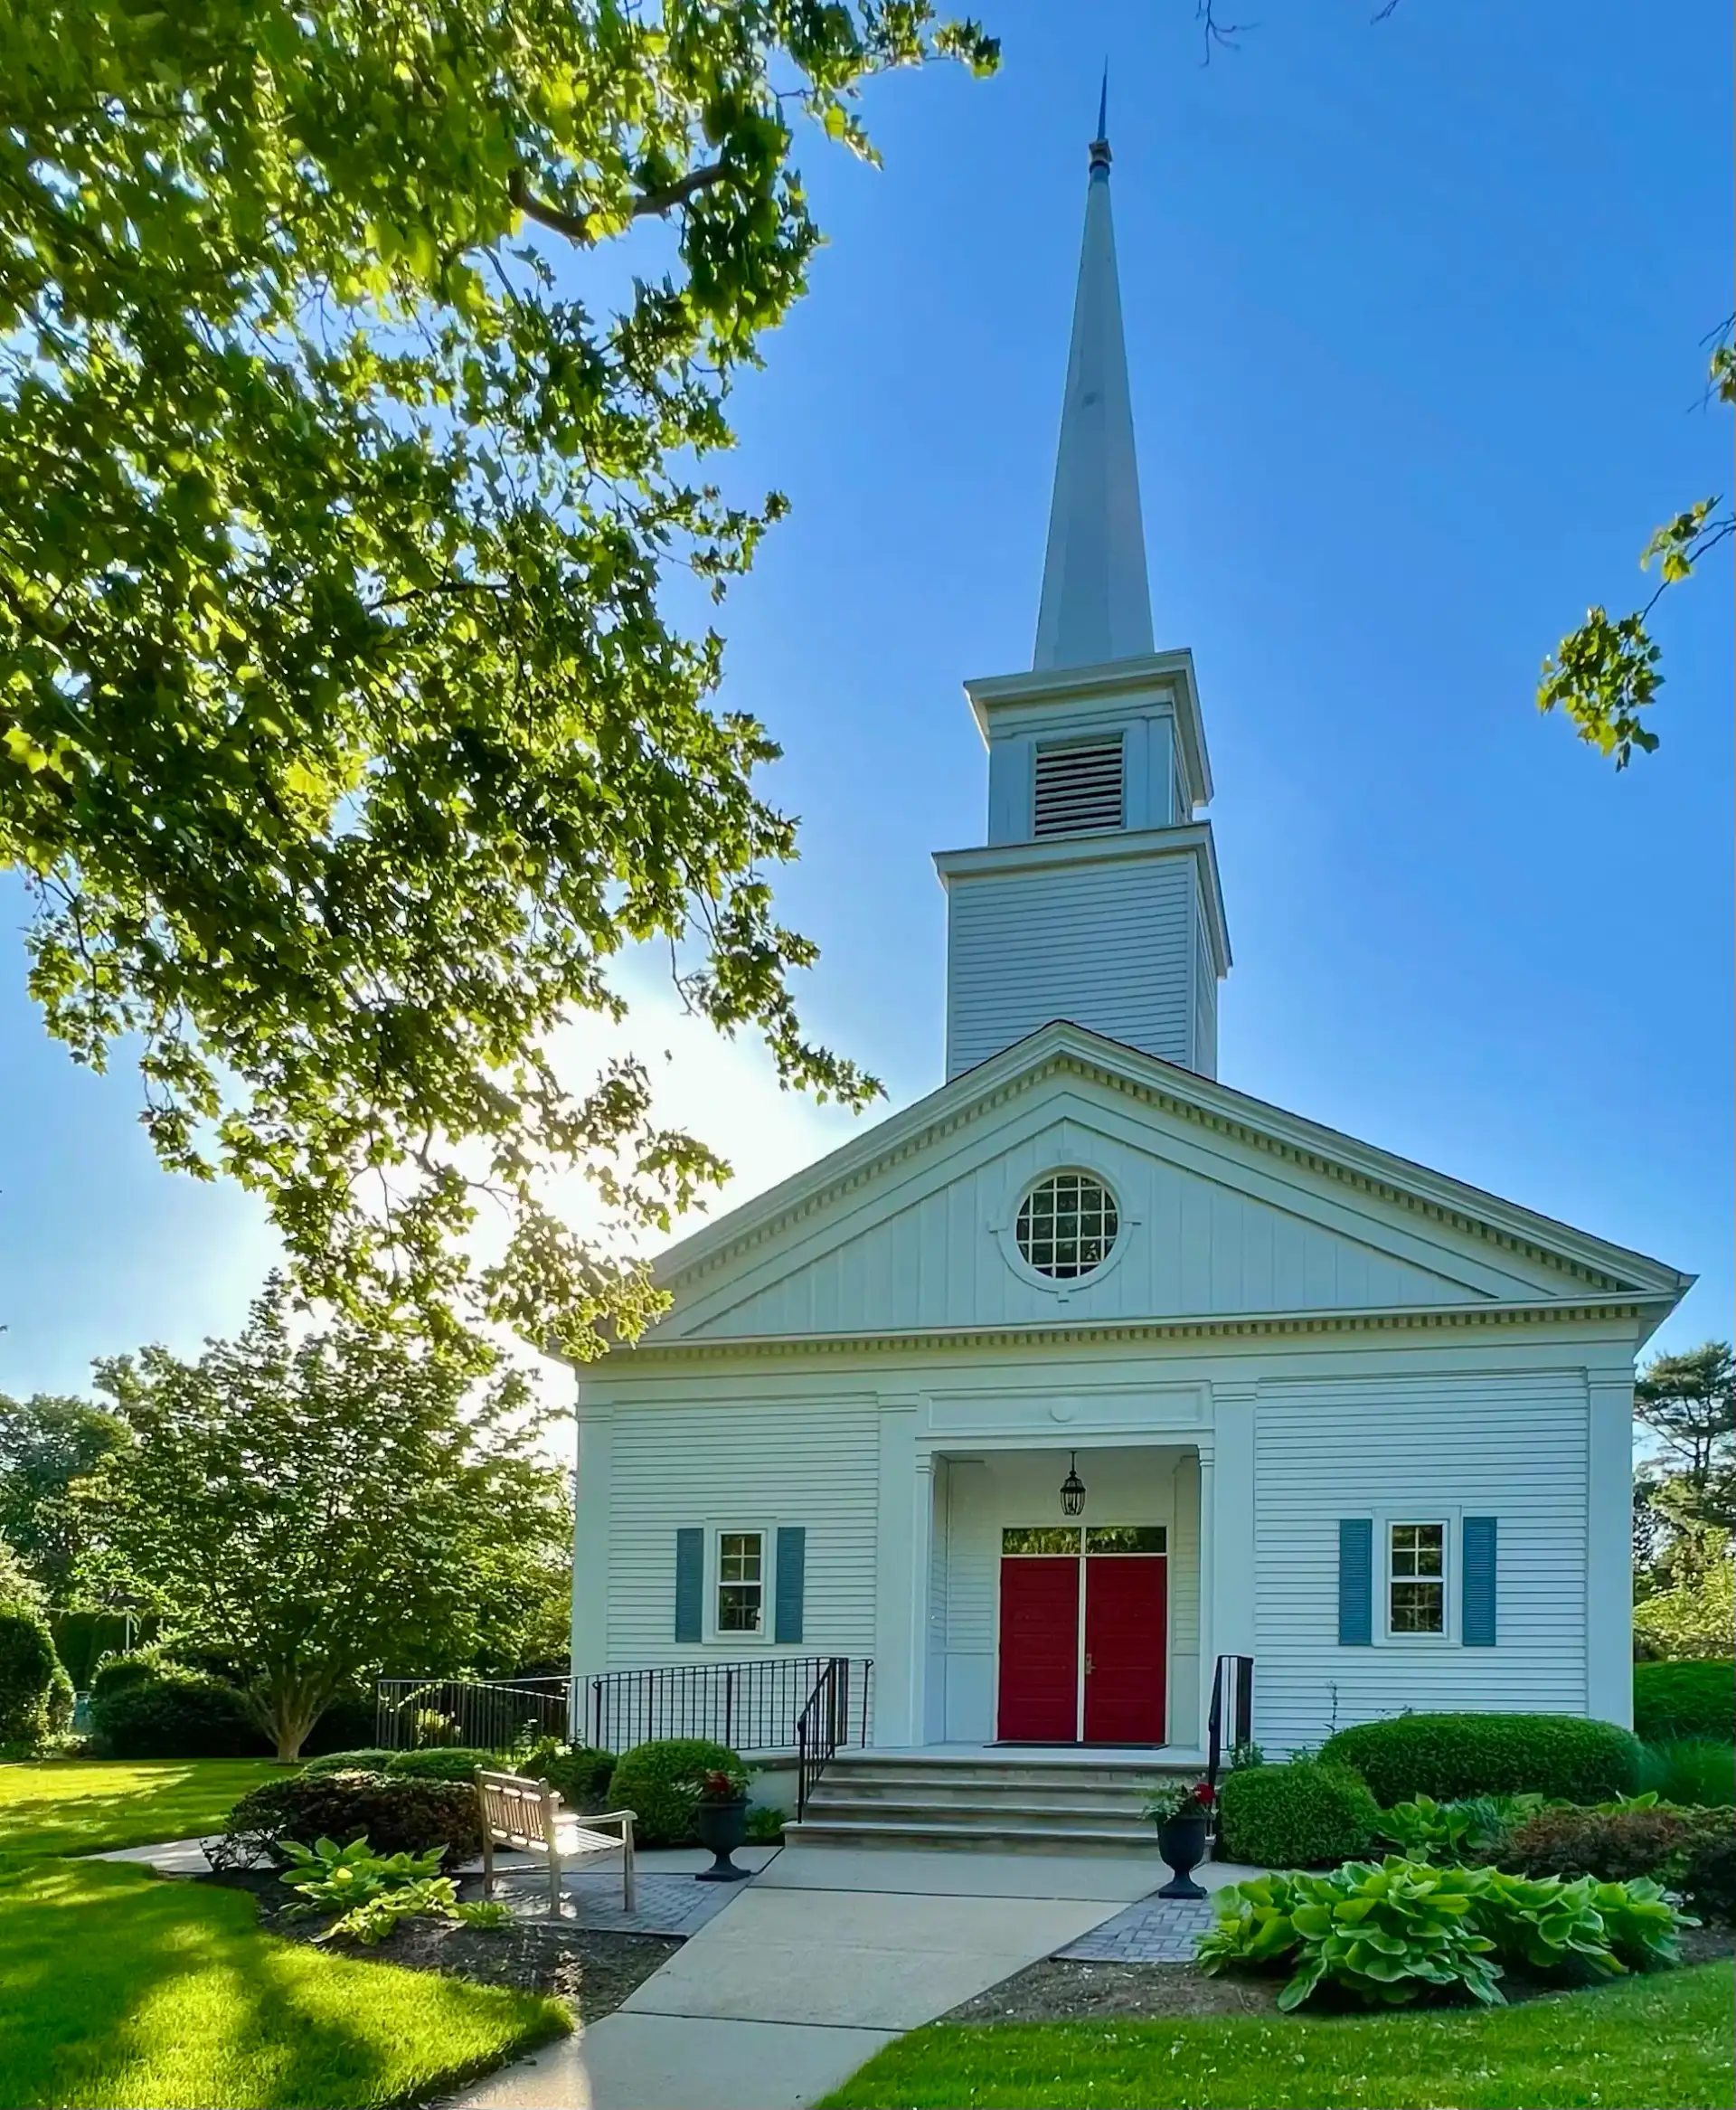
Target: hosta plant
x,y
1424,1829
335,1879
1381,1932
431,1896
1392,1932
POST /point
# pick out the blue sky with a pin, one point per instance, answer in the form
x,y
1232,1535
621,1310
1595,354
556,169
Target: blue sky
x,y
1414,314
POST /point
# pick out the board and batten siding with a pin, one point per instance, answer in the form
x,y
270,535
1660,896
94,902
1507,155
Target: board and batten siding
x,y
1188,1245
1509,1446
1105,945
813,1464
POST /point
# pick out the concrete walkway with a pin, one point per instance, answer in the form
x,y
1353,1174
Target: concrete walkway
x,y
830,1954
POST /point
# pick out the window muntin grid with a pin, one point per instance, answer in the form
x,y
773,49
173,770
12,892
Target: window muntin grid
x,y
1416,1578
740,1580
1066,1225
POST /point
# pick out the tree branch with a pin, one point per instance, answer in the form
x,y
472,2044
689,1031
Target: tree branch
x,y
577,226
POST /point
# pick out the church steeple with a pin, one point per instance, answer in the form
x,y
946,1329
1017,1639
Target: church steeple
x,y
1096,603
1095,897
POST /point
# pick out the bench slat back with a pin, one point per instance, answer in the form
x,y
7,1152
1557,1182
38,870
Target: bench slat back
x,y
518,1812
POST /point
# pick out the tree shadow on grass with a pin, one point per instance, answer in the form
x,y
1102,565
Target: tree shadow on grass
x,y
121,1990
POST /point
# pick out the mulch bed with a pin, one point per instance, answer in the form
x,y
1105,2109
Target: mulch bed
x,y
1058,1990
593,1971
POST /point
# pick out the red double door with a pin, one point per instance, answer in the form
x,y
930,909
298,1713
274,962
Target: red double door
x,y
1103,1685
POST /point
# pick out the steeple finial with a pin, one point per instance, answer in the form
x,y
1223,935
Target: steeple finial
x,y
1096,603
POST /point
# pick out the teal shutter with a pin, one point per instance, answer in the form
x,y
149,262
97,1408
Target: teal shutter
x,y
1356,1582
791,1583
1476,1623
690,1583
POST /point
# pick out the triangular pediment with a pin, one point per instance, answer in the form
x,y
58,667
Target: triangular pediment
x,y
1228,1207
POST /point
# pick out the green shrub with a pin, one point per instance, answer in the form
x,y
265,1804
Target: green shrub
x,y
1294,1816
1614,1845
365,1760
445,1762
1705,1873
1474,1829
1684,1699
395,1812
172,1713
1449,1757
655,1781
1693,1771
1391,1933
61,1702
329,1878
115,1673
27,1668
766,1825
580,1776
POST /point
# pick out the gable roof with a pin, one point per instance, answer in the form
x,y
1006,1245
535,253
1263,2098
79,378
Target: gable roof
x,y
1578,1267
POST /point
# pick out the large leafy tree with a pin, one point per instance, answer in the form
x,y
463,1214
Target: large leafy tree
x,y
46,1442
345,730
316,1510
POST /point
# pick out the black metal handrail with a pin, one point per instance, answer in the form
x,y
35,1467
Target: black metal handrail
x,y
754,1707
490,1714
822,1727
1238,1691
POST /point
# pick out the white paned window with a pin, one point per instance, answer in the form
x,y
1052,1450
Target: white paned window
x,y
1067,1224
1078,787
741,1582
1416,1588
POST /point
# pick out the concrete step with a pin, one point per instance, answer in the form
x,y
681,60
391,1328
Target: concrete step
x,y
1013,1814
997,1838
1004,1775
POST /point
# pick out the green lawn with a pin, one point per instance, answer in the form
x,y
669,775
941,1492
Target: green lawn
x,y
1661,2040
123,1991
88,1805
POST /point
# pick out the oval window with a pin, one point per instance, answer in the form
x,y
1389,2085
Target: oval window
x,y
1067,1224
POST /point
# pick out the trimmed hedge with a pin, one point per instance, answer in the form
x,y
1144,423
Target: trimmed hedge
x,y
172,1713
1673,1700
1301,1815
28,1665
1564,1756
445,1762
580,1777
395,1812
368,1760
652,1781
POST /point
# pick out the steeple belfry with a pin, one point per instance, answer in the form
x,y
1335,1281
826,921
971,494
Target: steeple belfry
x,y
1096,603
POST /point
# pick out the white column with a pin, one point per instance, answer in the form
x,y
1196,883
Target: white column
x,y
1232,1533
922,1594
592,1503
1609,1548
900,1637
1208,1616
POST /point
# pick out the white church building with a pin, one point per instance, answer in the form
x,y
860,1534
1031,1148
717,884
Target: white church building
x,y
1008,1421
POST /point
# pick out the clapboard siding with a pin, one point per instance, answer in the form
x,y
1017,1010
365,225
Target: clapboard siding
x,y
1513,1447
815,1464
1106,945
1189,1245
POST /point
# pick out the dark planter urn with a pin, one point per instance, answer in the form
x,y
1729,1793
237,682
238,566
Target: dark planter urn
x,y
1182,1843
722,1826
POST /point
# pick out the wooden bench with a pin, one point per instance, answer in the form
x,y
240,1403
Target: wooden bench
x,y
525,1814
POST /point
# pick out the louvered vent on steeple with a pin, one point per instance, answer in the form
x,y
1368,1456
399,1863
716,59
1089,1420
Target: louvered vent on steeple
x,y
1078,787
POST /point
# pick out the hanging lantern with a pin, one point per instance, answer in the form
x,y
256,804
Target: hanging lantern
x,y
1072,1489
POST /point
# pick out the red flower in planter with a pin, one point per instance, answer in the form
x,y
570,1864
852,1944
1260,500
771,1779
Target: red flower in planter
x,y
1204,1794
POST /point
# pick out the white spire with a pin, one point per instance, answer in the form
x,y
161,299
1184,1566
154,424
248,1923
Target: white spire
x,y
1096,603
